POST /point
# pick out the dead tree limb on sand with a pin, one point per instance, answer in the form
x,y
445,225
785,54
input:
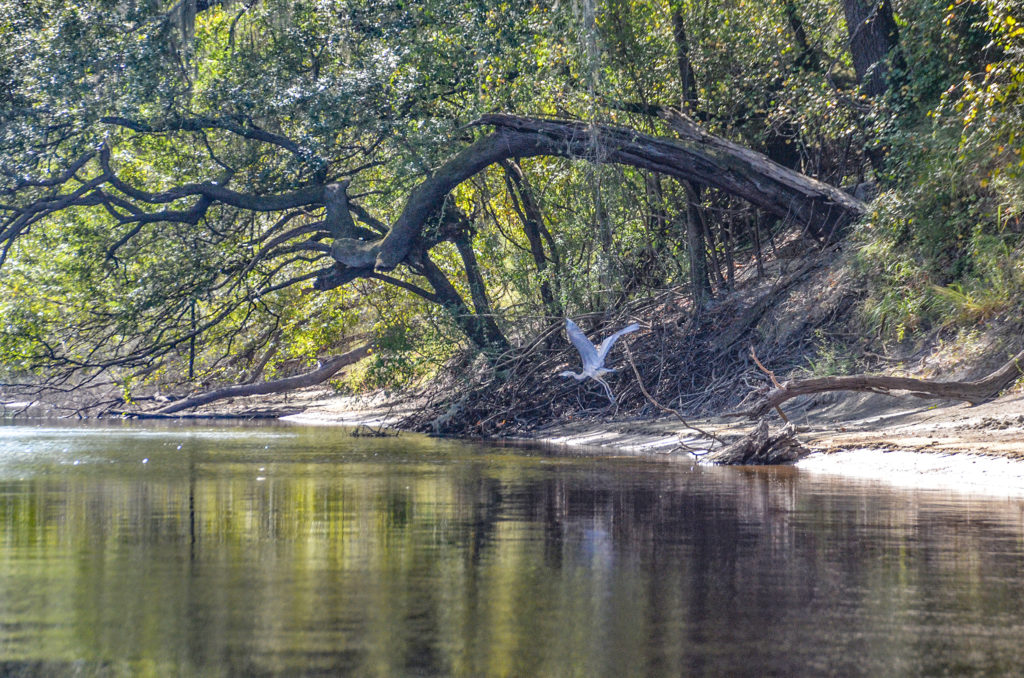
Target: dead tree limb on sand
x,y
974,392
760,448
327,369
643,389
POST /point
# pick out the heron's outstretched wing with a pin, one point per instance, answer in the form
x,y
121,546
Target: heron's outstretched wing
x,y
587,351
606,345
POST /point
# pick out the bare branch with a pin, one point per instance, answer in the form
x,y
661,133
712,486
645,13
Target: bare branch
x,y
55,180
325,370
974,392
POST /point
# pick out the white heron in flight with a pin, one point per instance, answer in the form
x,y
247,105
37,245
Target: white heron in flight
x,y
593,356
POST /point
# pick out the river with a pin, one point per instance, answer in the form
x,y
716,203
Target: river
x,y
276,550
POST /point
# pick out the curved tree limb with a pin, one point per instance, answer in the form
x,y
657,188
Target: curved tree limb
x,y
56,179
310,195
327,369
974,392
696,156
235,124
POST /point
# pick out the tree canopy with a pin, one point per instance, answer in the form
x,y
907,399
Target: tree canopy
x,y
197,190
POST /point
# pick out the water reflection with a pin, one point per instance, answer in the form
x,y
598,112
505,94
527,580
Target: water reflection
x,y
300,552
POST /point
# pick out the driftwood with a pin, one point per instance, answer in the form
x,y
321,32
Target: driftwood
x,y
760,448
207,416
974,392
327,369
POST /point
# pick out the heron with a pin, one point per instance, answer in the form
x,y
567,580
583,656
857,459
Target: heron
x,y
593,356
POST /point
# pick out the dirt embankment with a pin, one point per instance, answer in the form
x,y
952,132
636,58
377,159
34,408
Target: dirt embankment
x,y
901,440
828,423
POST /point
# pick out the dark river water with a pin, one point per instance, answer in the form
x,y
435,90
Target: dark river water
x,y
254,551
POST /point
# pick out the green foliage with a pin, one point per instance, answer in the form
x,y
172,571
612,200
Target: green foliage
x,y
830,357
942,246
393,362
939,252
403,356
380,94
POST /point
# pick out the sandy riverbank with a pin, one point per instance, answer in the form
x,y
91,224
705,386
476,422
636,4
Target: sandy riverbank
x,y
901,441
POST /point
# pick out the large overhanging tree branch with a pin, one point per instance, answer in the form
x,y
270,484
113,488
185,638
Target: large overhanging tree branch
x,y
94,179
695,156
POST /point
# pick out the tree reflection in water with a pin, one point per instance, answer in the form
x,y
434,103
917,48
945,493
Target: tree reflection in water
x,y
321,553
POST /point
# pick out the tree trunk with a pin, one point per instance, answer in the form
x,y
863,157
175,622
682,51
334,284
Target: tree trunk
x,y
711,241
484,314
481,330
696,246
687,78
526,206
874,43
261,363
808,58
755,231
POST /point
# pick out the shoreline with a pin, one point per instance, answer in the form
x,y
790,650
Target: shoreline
x,y
947,446
900,441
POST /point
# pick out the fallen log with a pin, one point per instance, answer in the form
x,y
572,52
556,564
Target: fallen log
x,y
974,392
327,369
206,416
760,448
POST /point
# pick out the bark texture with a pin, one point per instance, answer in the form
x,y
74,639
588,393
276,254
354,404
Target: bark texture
x,y
974,392
327,369
525,205
760,448
696,247
696,156
874,43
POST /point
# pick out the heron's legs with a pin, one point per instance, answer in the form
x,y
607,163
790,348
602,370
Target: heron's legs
x,y
607,389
